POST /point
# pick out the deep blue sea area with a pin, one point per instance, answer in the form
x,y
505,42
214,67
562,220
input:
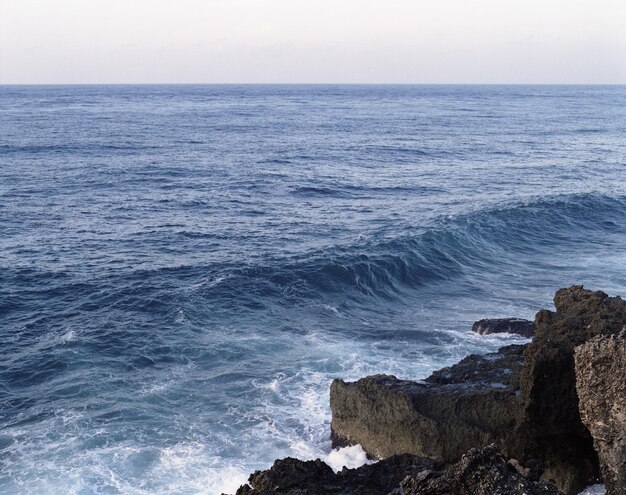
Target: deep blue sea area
x,y
184,269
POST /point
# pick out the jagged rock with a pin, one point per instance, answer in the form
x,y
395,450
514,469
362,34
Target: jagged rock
x,y
479,472
525,328
601,386
294,477
525,404
287,475
473,403
548,382
551,417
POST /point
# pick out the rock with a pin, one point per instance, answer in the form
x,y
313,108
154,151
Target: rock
x,y
289,474
383,477
479,472
473,403
294,477
601,385
525,328
548,382
551,417
522,398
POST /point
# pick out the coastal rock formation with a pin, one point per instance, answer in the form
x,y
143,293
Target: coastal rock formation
x,y
472,403
294,477
479,472
551,419
548,382
525,328
520,403
601,387
522,398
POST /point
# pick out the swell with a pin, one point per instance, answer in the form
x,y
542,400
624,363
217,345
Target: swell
x,y
481,240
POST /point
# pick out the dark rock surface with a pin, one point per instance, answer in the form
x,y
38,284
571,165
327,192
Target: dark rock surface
x,y
479,472
525,328
294,477
522,398
473,403
551,417
601,386
548,382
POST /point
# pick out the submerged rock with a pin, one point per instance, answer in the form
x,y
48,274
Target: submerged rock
x,y
525,328
522,398
294,477
601,387
479,472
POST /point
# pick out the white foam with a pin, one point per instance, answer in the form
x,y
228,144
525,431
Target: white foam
x,y
180,316
334,310
498,385
350,457
288,414
594,490
209,284
67,337
201,474
273,385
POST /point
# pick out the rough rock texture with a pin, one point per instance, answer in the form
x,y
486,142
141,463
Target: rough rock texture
x,y
525,328
479,472
474,403
548,382
601,386
523,399
294,477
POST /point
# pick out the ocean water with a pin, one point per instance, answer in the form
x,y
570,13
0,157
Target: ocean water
x,y
184,269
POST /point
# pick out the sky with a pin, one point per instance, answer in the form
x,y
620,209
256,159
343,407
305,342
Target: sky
x,y
320,41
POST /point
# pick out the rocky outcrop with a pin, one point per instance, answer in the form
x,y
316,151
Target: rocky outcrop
x,y
525,328
551,417
479,472
472,403
294,477
534,403
523,399
601,387
548,382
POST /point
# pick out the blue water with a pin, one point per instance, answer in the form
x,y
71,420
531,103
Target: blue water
x,y
184,269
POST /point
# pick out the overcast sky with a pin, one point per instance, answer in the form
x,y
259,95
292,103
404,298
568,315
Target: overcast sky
x,y
315,41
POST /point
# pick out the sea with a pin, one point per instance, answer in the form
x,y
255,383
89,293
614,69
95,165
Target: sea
x,y
184,269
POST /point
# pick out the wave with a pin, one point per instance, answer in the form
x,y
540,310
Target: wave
x,y
363,192
481,240
509,238
45,149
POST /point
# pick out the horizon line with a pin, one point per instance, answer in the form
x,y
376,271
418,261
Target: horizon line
x,y
314,84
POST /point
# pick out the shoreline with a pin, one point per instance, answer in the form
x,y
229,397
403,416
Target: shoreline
x,y
508,420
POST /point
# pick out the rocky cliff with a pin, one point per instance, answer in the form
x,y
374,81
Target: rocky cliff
x,y
601,388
